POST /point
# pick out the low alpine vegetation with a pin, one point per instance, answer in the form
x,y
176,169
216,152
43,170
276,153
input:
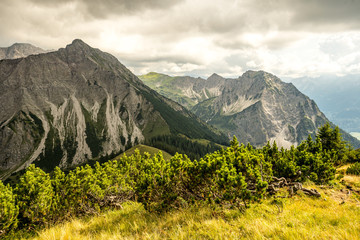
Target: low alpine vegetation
x,y
354,169
236,177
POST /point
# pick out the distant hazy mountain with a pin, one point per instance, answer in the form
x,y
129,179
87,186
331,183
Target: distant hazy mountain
x,y
337,97
256,107
19,50
65,107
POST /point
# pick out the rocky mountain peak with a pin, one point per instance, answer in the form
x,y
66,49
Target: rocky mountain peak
x,y
19,50
79,41
78,44
82,56
78,47
214,75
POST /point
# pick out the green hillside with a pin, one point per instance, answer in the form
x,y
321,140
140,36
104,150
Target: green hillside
x,y
182,121
143,149
166,86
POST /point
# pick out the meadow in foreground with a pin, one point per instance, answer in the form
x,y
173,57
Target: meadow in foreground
x,y
335,216
237,192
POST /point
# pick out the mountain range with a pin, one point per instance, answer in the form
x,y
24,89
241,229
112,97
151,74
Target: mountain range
x,y
257,107
65,107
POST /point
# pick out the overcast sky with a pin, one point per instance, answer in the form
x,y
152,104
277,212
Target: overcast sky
x,y
290,38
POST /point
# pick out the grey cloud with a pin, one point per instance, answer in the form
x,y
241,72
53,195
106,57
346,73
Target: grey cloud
x,y
287,16
177,59
310,15
279,41
326,14
237,60
166,27
105,8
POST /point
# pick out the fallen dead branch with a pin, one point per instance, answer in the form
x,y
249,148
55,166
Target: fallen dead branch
x,y
293,187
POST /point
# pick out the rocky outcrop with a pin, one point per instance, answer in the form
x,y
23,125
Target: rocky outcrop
x,y
256,107
78,103
19,50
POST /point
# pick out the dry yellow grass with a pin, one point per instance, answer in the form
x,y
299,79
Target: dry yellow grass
x,y
336,215
352,179
301,218
343,167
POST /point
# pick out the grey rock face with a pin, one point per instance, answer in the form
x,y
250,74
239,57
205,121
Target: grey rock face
x,y
256,107
19,50
65,107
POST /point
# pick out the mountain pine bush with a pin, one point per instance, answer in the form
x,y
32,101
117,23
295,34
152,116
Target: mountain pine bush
x,y
8,209
235,176
34,196
354,169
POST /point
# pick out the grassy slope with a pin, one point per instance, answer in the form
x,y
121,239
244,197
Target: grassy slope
x,y
143,149
203,141
335,216
164,85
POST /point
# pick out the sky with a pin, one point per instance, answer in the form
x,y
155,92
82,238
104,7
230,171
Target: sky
x,y
289,38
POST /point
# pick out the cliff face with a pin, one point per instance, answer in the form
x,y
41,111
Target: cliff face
x,y
65,107
19,50
256,107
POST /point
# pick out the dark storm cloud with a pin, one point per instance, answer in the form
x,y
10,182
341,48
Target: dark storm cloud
x,y
328,15
289,18
299,13
105,8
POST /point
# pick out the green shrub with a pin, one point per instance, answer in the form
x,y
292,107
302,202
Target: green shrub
x,y
311,160
235,176
34,196
354,169
80,184
59,208
8,210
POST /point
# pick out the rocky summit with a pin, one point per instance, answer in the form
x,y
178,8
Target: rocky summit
x,y
65,107
19,50
257,107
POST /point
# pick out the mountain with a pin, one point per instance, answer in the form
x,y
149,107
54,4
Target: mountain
x,y
19,50
256,107
337,97
187,91
65,107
